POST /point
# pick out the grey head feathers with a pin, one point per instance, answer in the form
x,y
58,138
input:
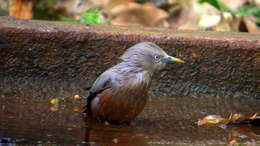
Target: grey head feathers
x,y
143,54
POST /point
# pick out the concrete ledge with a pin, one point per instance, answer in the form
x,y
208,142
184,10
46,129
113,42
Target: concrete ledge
x,y
218,64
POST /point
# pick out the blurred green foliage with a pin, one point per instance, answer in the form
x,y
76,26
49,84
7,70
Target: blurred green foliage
x,y
3,7
250,10
246,10
238,144
91,16
66,19
218,5
142,1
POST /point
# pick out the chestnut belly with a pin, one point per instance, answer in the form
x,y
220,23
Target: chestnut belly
x,y
120,107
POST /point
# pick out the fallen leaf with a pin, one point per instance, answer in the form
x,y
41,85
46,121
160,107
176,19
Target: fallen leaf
x,y
218,120
232,142
76,108
54,101
213,120
240,118
228,22
251,26
207,21
113,3
257,2
54,108
188,27
138,14
77,97
20,9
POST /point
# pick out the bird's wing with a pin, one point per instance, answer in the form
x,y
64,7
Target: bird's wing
x,y
102,83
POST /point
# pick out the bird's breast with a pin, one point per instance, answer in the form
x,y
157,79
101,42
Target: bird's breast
x,y
135,87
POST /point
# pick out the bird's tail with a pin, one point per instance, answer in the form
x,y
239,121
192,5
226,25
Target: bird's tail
x,y
87,108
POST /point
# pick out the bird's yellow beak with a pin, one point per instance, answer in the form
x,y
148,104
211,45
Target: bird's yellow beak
x,y
174,59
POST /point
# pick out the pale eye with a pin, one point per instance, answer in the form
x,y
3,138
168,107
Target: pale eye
x,y
157,57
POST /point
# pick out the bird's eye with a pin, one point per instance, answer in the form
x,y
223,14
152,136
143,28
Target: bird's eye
x,y
157,57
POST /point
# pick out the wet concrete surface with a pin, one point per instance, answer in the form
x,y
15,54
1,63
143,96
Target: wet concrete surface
x,y
165,120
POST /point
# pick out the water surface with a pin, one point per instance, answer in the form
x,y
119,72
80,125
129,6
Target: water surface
x,y
165,120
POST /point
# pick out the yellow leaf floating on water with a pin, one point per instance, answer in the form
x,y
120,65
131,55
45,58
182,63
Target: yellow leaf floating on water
x,y
77,97
54,108
254,116
237,118
76,108
54,101
233,119
240,118
212,120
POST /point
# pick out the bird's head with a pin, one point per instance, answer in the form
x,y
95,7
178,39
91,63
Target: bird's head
x,y
149,56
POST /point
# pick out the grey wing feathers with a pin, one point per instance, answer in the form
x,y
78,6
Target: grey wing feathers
x,y
101,83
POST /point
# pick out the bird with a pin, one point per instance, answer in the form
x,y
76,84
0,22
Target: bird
x,y
120,93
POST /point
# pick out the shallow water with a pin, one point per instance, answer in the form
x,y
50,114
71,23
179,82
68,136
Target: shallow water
x,y
162,122
165,120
